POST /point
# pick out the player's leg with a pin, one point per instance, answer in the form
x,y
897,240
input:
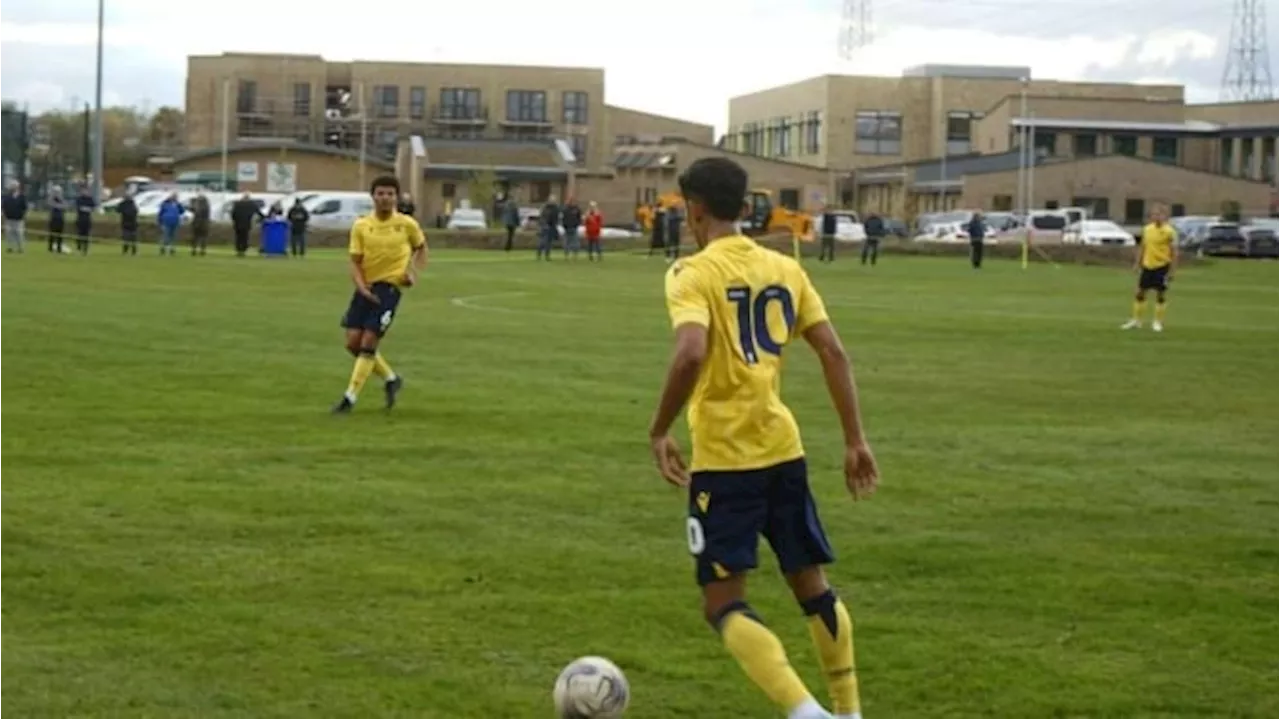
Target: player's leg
x,y
795,532
727,511
1162,289
875,251
1139,303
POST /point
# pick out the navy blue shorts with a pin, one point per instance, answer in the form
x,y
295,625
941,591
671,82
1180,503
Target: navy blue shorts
x,y
1155,278
362,314
730,511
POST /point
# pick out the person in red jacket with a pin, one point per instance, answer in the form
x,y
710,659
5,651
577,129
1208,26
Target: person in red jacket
x,y
594,223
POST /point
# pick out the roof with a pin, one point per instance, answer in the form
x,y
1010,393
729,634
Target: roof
x,y
283,146
1189,127
1054,162
502,172
931,169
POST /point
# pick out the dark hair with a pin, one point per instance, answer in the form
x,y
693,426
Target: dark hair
x,y
717,182
385,181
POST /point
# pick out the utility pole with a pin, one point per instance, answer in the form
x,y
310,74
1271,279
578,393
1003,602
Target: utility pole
x,y
98,149
1247,72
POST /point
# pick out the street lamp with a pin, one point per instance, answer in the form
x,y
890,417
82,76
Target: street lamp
x,y
97,112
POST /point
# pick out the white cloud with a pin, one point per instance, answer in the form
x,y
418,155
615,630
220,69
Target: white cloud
x,y
1166,48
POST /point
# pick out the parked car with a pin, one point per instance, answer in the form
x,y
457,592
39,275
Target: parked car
x,y
467,218
1223,239
849,227
1098,232
894,227
1261,241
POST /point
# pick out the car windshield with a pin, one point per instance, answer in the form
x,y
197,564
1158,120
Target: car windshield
x,y
1100,226
1224,231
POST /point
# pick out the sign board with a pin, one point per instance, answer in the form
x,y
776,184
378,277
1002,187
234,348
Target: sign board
x,y
246,172
282,177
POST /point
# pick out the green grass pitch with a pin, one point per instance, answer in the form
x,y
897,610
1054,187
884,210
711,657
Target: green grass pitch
x,y
1074,521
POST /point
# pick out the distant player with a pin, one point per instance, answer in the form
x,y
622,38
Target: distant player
x,y
1155,261
734,306
387,251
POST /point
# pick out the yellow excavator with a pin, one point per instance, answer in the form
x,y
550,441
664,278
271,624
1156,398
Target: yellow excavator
x,y
760,216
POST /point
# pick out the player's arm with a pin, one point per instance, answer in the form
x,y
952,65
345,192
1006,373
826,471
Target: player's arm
x,y
861,474
355,257
1173,252
419,247
691,318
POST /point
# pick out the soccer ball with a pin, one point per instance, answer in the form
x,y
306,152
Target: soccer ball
x,y
591,688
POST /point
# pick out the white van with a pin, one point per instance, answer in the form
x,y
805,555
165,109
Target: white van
x,y
338,209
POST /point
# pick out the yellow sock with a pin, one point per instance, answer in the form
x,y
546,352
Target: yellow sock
x,y
761,656
359,373
1138,307
381,368
832,632
1160,308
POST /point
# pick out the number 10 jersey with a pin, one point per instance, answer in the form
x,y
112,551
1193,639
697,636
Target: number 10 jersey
x,y
753,302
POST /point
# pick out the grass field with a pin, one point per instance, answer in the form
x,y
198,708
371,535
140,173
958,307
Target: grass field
x,y
1074,521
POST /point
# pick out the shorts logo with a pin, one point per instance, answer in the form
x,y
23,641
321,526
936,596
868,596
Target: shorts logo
x,y
703,500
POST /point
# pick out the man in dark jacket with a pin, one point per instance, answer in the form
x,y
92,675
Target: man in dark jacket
x,y
830,222
15,218
128,209
874,229
298,218
510,218
659,230
675,220
571,220
243,212
405,206
977,235
84,218
200,213
57,219
549,229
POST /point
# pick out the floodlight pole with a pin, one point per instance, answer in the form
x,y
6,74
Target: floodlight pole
x,y
97,112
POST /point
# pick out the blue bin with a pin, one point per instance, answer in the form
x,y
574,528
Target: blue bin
x,y
275,237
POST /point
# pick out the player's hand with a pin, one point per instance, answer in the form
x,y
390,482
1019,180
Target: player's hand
x,y
666,453
861,476
368,295
410,279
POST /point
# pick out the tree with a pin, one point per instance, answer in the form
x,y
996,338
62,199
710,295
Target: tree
x,y
481,190
166,128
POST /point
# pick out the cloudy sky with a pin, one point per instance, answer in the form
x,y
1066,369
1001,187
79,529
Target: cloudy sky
x,y
675,57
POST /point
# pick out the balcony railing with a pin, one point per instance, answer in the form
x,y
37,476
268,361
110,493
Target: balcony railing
x,y
459,115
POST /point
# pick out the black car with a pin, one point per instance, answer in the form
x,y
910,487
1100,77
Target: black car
x,y
1262,242
1222,240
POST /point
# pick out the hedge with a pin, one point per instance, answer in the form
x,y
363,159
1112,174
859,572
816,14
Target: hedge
x,y
106,229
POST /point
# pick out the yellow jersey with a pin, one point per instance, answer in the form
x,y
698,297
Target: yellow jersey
x,y
753,301
1157,245
385,247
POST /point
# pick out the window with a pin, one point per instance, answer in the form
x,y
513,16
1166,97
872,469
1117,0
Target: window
x,y
780,145
878,133
1051,205
752,142
1099,207
960,131
811,133
1177,209
1269,158
575,107
526,106
1135,211
301,99
539,191
417,102
1045,144
1002,203
1246,157
621,140
1226,153
1165,149
387,141
386,100
578,144
328,207
246,96
1124,145
460,103
448,190
1085,144
789,197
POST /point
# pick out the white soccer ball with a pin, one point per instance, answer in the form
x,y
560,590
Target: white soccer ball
x,y
591,688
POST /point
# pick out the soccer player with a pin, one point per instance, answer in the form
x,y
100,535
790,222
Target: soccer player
x,y
1155,261
387,250
734,307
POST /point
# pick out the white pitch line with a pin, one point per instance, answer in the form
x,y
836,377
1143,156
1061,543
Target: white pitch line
x,y
470,303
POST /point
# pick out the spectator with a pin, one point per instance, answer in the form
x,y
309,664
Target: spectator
x,y
243,212
128,209
827,252
170,219
510,218
200,212
874,228
594,225
405,206
675,219
977,234
15,218
549,229
57,218
571,219
298,218
658,240
84,218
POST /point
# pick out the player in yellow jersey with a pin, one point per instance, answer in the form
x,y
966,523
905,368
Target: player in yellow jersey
x,y
1155,261
735,306
387,250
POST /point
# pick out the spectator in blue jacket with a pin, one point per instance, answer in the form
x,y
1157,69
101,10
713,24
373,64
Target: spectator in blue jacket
x,y
15,218
170,219
85,205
